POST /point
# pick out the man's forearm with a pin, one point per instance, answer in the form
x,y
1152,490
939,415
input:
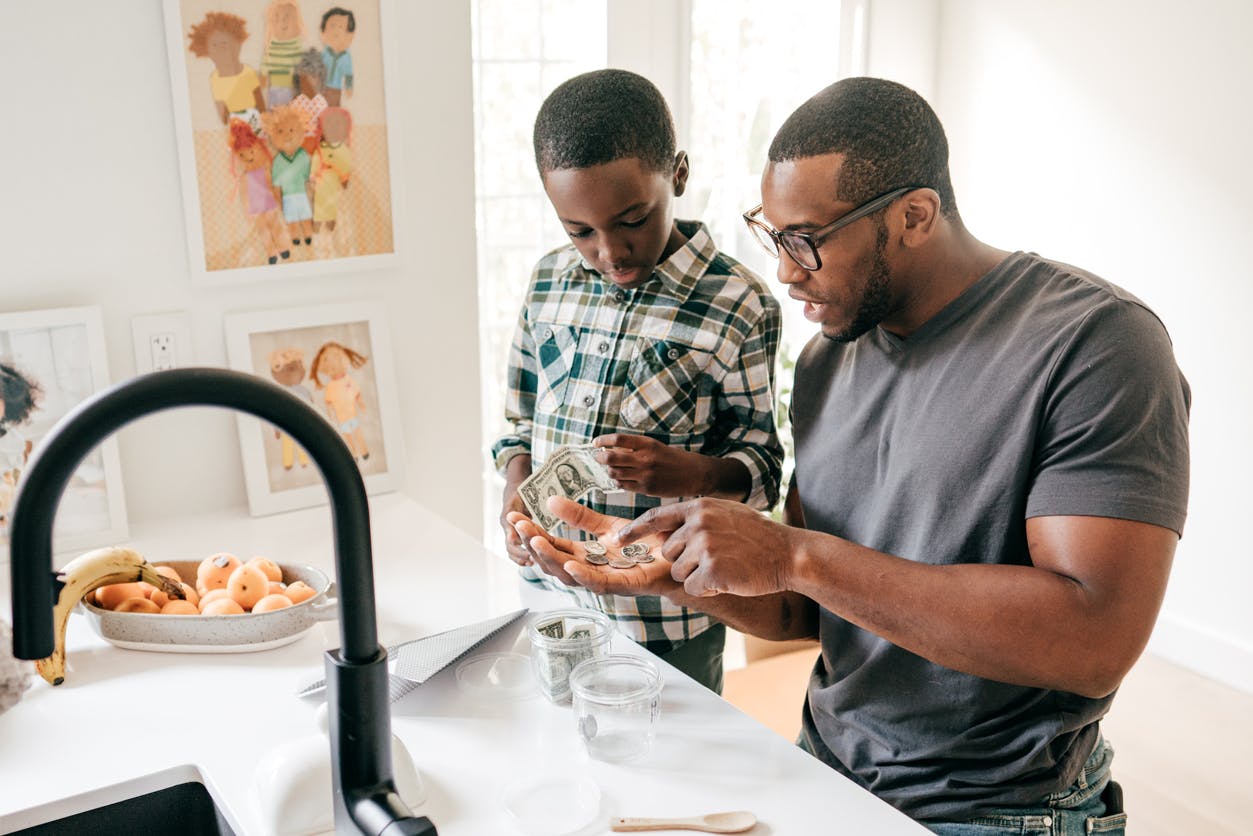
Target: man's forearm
x,y
777,617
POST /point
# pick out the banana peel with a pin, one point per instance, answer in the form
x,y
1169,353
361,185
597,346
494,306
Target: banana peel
x,y
85,574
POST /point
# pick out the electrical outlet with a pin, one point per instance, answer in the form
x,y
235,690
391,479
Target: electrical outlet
x,y
164,354
162,341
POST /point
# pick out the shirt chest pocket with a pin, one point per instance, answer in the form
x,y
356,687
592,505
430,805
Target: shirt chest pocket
x,y
556,348
666,386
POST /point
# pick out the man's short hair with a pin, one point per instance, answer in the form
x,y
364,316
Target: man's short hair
x,y
889,135
602,116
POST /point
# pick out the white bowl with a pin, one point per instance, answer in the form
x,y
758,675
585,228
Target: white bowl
x,y
218,633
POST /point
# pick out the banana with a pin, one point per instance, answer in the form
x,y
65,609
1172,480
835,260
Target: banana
x,y
84,574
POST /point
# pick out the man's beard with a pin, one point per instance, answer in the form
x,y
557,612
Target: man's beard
x,y
875,303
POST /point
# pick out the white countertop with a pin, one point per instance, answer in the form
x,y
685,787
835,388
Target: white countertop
x,y
122,714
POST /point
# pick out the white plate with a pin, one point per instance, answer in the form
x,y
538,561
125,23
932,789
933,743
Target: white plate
x,y
556,806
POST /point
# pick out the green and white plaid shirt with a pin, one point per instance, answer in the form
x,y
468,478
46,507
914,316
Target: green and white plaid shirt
x,y
687,358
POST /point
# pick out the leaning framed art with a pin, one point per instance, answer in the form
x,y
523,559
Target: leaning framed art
x,y
50,361
337,359
287,146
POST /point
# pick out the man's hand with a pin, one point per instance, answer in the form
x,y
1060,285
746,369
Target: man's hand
x,y
645,465
565,559
719,546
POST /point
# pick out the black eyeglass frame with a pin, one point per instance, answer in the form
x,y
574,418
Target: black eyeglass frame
x,y
814,240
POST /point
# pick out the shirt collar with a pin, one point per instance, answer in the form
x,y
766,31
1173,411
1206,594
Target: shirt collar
x,y
678,274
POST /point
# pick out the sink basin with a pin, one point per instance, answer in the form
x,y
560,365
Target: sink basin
x,y
173,801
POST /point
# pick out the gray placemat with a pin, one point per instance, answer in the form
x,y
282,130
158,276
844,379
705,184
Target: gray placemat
x,y
420,659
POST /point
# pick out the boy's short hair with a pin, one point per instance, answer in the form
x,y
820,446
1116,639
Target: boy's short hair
x,y
602,116
889,135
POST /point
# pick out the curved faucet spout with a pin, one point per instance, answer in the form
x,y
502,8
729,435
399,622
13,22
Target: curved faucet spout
x,y
357,672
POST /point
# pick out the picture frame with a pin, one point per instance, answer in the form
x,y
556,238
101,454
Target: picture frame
x,y
340,355
332,149
54,359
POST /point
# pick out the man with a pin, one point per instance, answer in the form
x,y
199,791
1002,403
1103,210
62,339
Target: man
x,y
991,478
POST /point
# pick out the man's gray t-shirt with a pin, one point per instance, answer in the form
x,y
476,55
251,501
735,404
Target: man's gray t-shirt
x,y
1040,391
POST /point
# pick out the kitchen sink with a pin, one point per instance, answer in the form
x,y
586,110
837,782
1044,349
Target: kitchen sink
x,y
174,801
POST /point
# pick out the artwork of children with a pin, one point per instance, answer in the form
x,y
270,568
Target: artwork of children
x,y
306,77
338,382
50,361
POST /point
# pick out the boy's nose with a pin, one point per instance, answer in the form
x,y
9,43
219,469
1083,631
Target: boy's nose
x,y
613,250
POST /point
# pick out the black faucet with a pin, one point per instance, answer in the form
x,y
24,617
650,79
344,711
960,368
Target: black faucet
x,y
356,673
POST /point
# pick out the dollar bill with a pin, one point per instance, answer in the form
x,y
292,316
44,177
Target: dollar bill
x,y
573,472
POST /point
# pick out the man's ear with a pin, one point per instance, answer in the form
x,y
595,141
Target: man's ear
x,y
922,216
680,173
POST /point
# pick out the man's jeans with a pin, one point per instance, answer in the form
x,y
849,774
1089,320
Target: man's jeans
x,y
1092,804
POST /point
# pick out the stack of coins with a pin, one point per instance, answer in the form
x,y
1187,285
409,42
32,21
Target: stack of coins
x,y
629,555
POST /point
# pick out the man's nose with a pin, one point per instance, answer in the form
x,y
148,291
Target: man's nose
x,y
789,271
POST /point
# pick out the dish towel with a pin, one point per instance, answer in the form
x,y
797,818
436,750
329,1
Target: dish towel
x,y
420,659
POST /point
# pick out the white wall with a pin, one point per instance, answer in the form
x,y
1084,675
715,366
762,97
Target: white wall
x,y
1114,136
92,214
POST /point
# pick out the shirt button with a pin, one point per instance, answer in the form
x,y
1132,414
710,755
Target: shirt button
x,y
548,333
1047,821
588,400
619,296
673,354
603,347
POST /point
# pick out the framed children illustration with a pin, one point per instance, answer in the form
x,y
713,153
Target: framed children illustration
x,y
337,359
287,147
50,361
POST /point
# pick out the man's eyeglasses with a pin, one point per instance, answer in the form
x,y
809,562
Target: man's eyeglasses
x,y
803,246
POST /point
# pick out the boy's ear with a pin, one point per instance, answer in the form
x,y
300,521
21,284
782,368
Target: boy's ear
x,y
680,173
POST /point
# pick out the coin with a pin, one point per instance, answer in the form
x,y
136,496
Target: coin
x,y
644,558
596,559
634,549
621,562
594,547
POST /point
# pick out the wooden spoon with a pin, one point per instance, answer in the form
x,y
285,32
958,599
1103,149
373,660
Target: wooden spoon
x,y
736,822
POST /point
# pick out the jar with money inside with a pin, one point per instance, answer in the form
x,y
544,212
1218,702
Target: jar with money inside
x,y
560,639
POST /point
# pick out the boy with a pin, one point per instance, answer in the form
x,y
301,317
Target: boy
x,y
641,338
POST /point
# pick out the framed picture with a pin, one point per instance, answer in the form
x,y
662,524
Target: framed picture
x,y
50,361
337,358
287,147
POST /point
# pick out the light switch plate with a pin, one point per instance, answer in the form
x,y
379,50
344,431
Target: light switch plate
x,y
162,341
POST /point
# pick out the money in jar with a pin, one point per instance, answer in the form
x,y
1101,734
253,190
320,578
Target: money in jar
x,y
560,639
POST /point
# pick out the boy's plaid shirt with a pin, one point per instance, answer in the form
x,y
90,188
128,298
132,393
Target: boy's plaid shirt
x,y
687,358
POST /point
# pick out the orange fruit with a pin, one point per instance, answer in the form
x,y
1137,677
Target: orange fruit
x,y
137,604
191,594
271,602
177,607
211,596
215,570
299,591
248,585
115,593
222,606
276,588
272,572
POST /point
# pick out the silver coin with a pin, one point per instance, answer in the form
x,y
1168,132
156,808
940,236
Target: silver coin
x,y
644,558
621,562
594,547
634,549
596,559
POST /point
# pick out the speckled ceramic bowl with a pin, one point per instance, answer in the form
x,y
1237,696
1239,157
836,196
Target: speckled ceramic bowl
x,y
218,633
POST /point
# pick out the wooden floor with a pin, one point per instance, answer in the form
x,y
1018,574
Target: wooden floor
x,y
1183,743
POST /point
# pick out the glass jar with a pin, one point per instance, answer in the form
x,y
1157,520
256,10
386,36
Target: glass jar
x,y
616,702
560,640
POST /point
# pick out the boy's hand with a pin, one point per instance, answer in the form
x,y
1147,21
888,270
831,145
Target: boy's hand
x,y
515,547
565,559
645,465
518,469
